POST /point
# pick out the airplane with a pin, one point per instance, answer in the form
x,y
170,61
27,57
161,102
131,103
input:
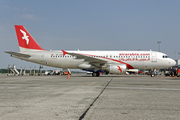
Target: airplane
x,y
113,62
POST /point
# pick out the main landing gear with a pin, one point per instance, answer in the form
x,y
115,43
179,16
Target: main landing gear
x,y
95,74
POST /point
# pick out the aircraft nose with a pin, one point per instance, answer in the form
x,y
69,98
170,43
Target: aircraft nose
x,y
173,62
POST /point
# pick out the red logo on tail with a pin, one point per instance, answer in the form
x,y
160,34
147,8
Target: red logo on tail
x,y
25,40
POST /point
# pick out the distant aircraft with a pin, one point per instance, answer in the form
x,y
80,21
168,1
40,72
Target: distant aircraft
x,y
114,62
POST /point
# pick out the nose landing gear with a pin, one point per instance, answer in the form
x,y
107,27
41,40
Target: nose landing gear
x,y
153,72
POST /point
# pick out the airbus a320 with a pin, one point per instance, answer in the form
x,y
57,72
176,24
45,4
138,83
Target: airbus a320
x,y
114,62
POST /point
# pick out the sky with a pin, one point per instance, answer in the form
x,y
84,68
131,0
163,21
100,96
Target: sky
x,y
91,25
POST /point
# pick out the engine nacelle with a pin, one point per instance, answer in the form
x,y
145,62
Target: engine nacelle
x,y
116,69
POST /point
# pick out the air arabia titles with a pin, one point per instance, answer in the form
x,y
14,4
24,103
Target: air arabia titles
x,y
134,56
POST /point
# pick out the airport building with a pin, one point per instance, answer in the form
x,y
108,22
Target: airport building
x,y
177,63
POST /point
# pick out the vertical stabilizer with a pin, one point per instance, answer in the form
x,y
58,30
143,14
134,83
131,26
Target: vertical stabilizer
x,y
25,40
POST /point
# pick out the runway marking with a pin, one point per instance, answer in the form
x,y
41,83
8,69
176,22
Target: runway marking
x,y
137,88
84,114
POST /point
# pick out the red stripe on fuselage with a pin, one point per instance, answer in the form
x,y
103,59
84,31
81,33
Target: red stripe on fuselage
x,y
128,65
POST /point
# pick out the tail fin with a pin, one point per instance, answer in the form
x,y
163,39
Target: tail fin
x,y
25,40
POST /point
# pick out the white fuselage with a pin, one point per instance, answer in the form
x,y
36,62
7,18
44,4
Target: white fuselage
x,y
133,59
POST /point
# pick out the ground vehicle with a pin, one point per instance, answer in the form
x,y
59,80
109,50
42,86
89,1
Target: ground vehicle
x,y
158,73
47,72
54,72
178,72
170,73
66,73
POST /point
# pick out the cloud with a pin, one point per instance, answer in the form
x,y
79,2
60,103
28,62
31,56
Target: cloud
x,y
5,7
17,9
20,11
29,16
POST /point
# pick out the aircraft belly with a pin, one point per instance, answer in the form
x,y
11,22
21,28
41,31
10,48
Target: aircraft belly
x,y
69,63
64,63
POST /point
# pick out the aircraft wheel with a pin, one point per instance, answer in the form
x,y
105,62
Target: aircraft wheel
x,y
95,74
106,73
152,75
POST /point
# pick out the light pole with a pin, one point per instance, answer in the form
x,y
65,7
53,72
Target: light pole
x,y
159,45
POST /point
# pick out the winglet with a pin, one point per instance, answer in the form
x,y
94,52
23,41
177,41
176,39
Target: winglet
x,y
64,52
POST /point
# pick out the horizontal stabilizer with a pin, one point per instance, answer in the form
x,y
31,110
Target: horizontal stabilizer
x,y
18,54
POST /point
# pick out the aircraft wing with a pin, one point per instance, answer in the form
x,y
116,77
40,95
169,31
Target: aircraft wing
x,y
18,54
88,58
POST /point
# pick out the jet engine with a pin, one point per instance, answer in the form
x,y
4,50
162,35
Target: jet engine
x,y
115,69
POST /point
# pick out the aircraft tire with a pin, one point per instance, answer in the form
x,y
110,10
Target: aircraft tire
x,y
152,75
95,74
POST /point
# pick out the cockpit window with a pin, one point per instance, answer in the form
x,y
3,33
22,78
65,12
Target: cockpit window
x,y
165,56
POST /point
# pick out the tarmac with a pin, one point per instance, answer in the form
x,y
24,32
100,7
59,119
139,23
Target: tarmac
x,y
82,97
